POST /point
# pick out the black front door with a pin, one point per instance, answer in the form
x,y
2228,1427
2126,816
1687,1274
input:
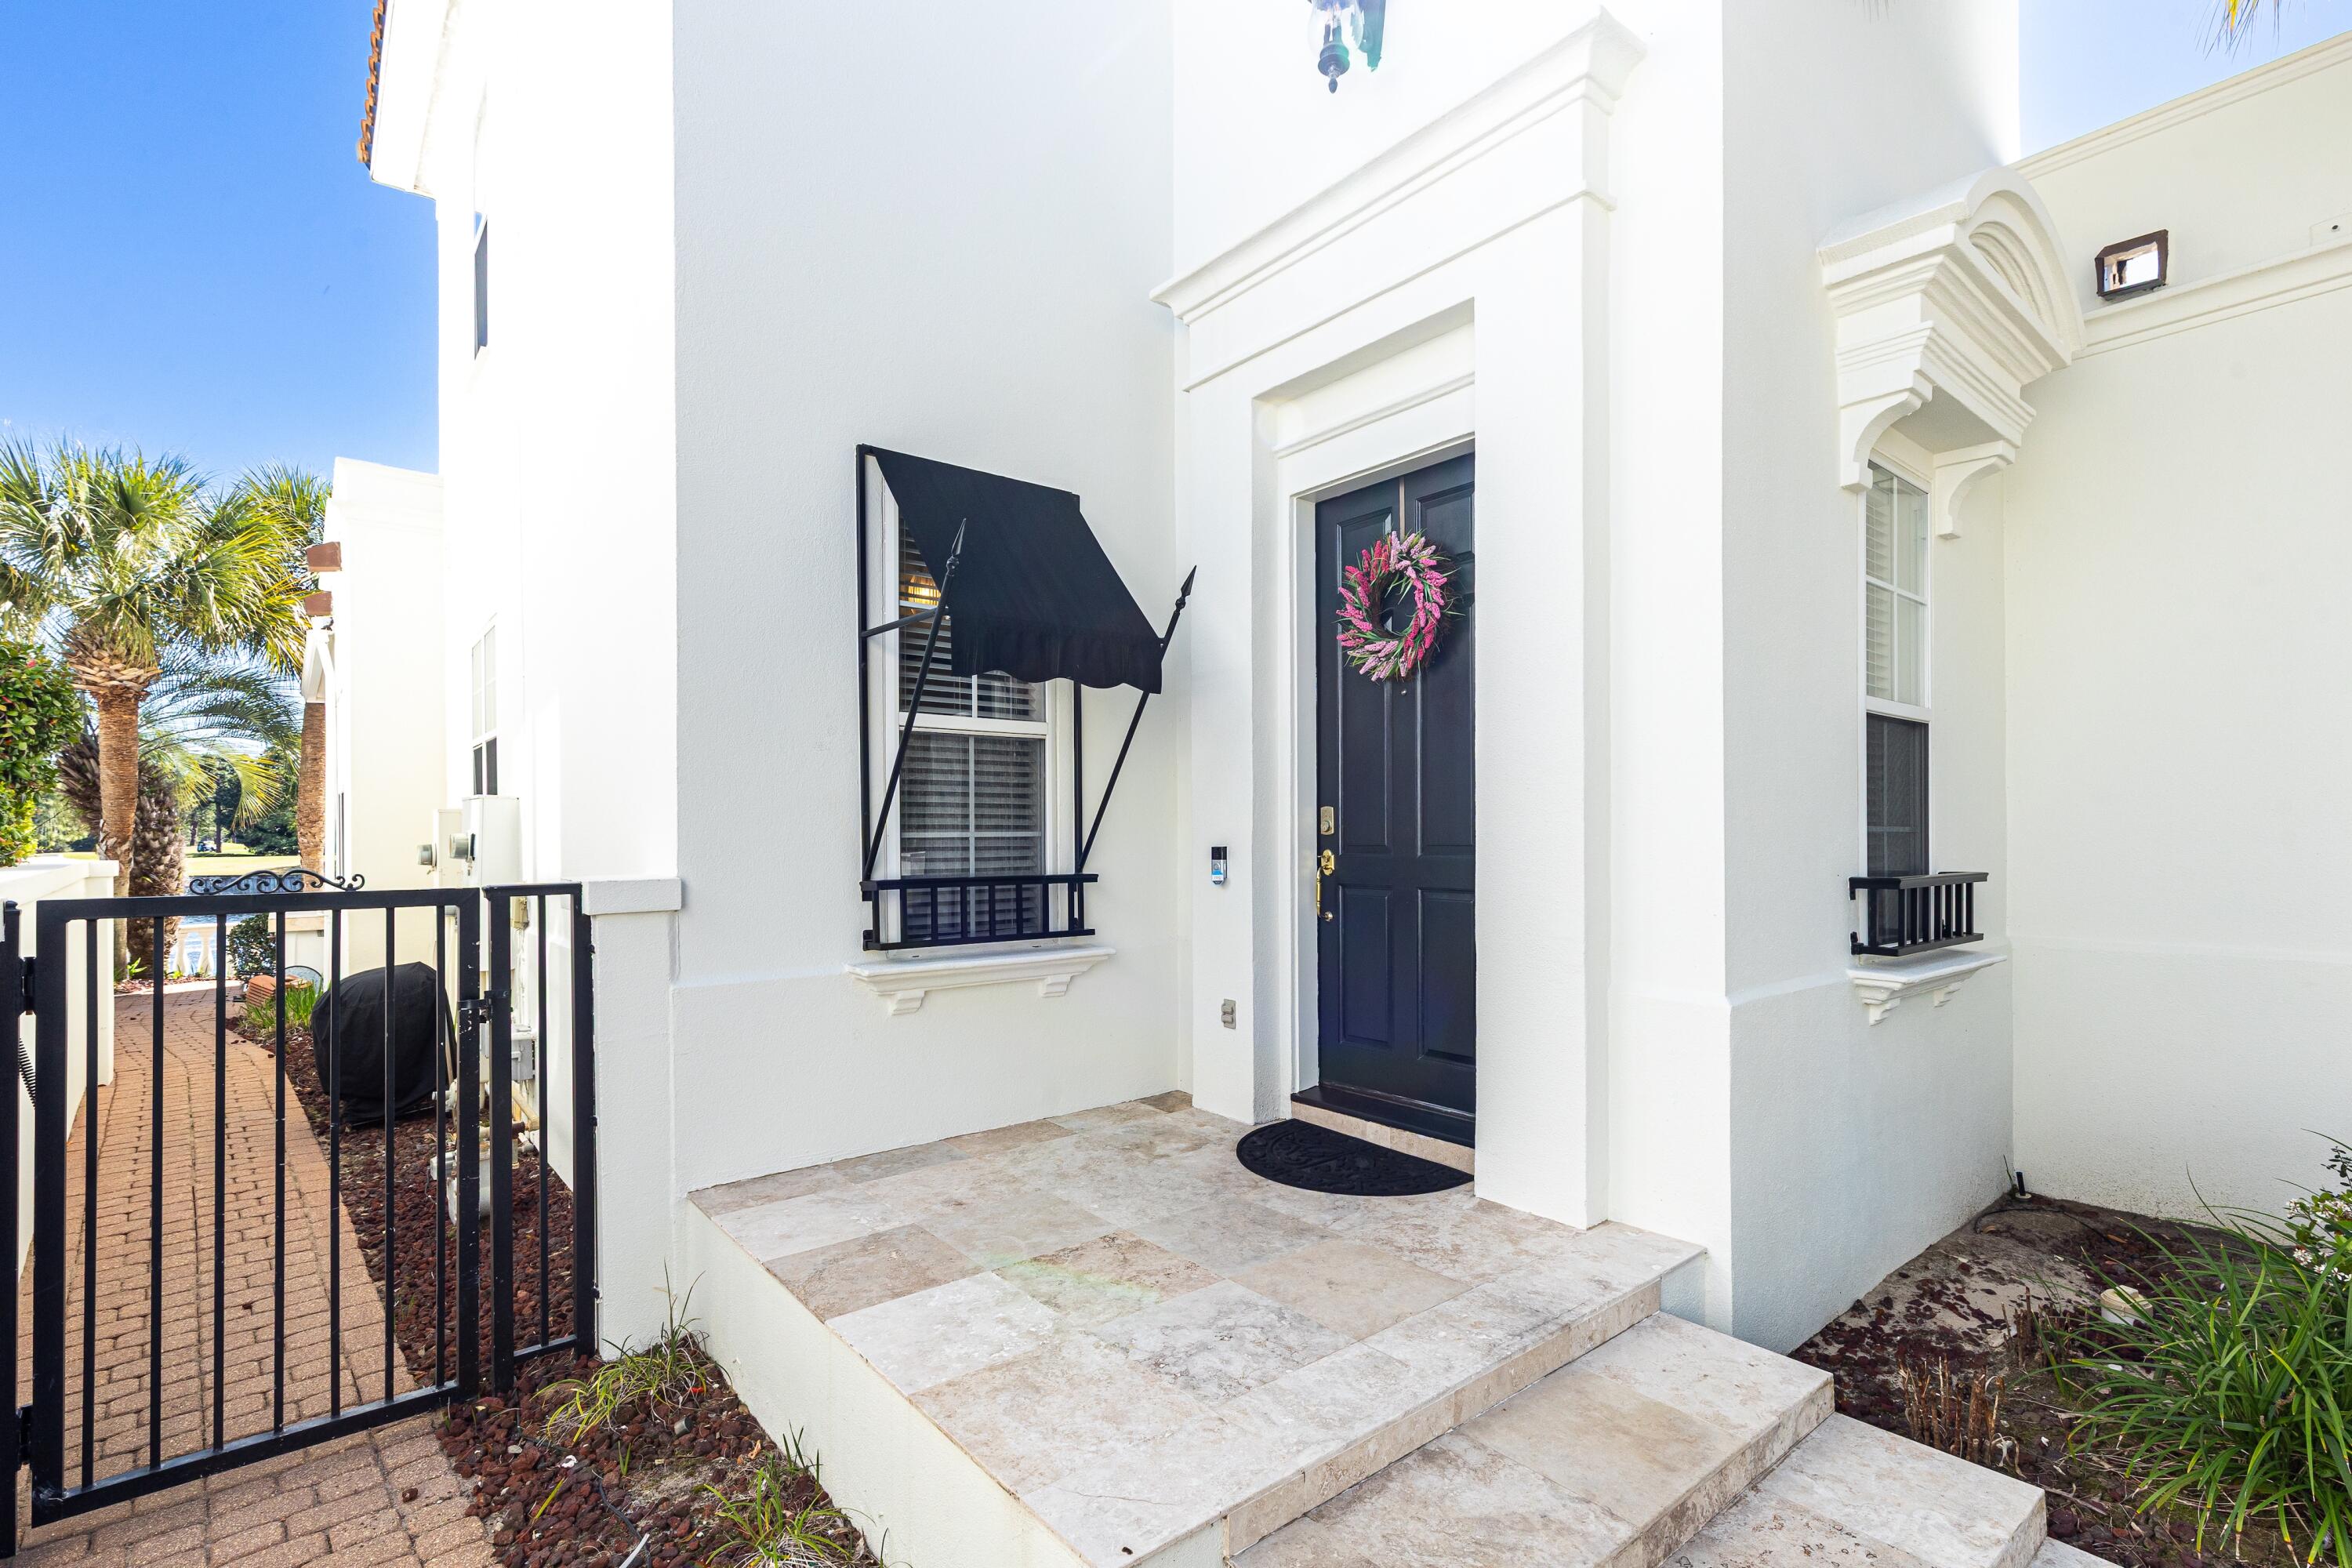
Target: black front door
x,y
1395,934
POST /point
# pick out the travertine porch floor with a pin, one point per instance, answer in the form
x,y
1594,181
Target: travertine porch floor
x,y
1139,1338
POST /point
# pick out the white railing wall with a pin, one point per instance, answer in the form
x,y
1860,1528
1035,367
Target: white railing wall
x,y
50,877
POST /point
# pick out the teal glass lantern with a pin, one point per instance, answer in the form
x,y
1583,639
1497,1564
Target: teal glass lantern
x,y
1348,24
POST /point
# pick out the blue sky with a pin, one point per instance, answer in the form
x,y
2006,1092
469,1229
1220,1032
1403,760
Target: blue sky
x,y
2086,63
192,258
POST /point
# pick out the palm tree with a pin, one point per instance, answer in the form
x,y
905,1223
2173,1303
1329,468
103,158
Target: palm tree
x,y
128,561
202,721
296,501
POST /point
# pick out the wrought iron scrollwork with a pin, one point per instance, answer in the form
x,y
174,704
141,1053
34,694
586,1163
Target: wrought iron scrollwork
x,y
289,880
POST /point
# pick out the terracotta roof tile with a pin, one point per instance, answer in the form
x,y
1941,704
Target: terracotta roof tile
x,y
375,79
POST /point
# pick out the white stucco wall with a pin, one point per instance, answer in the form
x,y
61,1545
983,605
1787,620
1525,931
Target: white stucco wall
x,y
939,238
2177,667
1849,1145
385,728
557,439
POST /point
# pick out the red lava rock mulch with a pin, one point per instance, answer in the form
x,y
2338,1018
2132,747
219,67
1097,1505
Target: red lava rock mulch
x,y
1956,1304
427,1339
663,1470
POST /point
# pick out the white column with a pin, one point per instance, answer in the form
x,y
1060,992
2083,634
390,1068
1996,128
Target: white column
x,y
632,924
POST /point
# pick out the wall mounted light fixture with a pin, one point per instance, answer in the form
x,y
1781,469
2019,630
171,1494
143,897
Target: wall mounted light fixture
x,y
2134,265
1344,23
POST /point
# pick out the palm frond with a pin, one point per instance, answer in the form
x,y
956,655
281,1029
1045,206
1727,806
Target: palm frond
x,y
205,716
2233,20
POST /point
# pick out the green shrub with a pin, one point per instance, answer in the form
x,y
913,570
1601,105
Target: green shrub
x,y
252,949
2321,1223
2231,1392
40,713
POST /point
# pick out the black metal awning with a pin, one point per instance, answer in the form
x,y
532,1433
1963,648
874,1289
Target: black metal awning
x,y
1031,594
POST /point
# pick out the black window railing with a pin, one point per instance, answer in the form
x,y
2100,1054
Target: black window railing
x,y
1903,915
960,911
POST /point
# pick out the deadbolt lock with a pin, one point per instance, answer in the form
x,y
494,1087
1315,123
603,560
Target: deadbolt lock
x,y
1329,823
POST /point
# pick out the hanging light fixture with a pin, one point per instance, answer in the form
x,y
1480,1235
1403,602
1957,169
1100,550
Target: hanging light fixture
x,y
1346,22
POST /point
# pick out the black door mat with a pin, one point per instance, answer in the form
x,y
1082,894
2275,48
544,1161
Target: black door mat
x,y
1301,1154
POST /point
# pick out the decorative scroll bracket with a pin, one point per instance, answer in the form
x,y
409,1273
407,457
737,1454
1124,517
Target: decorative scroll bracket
x,y
291,879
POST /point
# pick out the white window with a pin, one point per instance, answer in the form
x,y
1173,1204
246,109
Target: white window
x,y
485,713
975,797
1895,674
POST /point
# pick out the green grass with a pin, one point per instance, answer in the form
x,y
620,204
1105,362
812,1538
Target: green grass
x,y
777,1533
659,1375
302,1001
2232,1392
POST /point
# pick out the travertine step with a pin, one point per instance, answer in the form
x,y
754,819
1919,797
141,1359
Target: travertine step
x,y
1616,1459
1105,1340
1852,1496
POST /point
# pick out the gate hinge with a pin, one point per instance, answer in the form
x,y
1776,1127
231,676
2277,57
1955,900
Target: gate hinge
x,y
473,1014
24,997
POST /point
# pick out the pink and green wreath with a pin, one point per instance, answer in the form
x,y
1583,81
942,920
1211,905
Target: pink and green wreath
x,y
1407,565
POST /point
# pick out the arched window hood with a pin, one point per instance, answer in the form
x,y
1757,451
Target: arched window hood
x,y
1948,306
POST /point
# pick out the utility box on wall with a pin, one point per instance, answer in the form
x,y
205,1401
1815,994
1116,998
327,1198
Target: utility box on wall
x,y
486,849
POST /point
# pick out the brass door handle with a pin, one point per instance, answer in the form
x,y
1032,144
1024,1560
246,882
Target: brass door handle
x,y
1330,862
1325,865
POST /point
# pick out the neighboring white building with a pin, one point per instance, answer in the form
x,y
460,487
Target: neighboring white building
x,y
375,662
1827,521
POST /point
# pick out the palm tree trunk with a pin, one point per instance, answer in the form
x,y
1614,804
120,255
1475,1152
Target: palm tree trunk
x,y
310,788
118,778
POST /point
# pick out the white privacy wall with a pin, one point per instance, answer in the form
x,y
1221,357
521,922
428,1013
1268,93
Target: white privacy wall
x,y
1849,1145
2179,667
902,225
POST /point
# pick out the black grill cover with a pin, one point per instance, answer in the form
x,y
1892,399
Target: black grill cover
x,y
1033,594
349,1023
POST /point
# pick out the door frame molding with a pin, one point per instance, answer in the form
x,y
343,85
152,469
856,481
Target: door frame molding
x,y
1385,420
1498,210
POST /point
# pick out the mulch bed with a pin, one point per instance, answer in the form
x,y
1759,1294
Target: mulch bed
x,y
653,1472
426,1337
1955,1305
659,1474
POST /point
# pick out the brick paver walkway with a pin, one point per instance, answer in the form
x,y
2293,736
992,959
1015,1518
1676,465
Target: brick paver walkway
x,y
343,1497
349,1501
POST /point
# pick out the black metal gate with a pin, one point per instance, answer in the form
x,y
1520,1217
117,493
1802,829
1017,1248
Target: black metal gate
x,y
142,1432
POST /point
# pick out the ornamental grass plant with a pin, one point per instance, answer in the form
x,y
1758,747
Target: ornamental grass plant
x,y
2229,1391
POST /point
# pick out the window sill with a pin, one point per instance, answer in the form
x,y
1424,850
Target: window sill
x,y
903,982
1885,984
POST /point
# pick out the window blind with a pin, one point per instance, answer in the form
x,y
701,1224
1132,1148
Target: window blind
x,y
1894,568
991,696
1897,788
975,805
